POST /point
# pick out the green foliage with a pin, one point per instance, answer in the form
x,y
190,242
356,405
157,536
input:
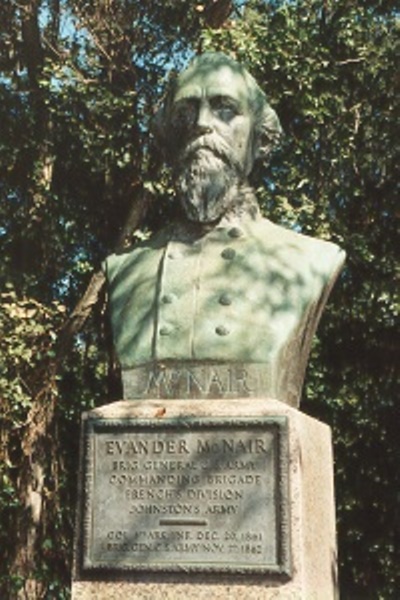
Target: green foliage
x,y
27,341
328,70
76,100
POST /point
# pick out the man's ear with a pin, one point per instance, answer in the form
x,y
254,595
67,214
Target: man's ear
x,y
159,126
267,134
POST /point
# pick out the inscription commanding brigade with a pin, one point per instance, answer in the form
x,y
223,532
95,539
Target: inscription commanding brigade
x,y
222,286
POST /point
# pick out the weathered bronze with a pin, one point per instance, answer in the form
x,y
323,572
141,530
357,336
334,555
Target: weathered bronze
x,y
222,287
209,496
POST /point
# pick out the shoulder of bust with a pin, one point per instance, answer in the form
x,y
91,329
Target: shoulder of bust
x,y
118,261
324,256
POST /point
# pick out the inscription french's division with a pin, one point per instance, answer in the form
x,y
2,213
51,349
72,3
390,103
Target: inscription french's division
x,y
167,496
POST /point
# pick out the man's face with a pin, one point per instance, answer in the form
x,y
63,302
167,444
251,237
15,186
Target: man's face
x,y
214,104
211,124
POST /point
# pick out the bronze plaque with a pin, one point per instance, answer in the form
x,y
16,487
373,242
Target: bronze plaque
x,y
186,494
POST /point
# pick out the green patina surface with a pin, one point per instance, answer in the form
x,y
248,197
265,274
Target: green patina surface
x,y
249,293
241,289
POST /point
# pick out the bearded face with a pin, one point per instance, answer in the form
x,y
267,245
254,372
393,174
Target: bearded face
x,y
213,126
210,140
206,179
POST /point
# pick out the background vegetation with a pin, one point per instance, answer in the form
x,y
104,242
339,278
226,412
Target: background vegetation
x,y
79,82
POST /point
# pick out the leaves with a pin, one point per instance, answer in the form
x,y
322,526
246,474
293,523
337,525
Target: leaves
x,y
76,162
325,68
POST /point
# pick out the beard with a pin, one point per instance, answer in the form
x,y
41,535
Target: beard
x,y
207,179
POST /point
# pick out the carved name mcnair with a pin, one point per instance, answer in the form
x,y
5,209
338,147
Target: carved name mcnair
x,y
205,381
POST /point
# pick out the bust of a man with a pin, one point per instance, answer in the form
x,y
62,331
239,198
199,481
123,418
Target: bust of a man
x,y
222,303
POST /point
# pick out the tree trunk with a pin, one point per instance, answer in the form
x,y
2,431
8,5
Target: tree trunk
x,y
36,443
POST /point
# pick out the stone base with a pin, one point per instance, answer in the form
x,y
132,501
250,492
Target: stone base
x,y
311,515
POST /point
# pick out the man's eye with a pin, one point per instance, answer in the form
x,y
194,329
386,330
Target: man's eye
x,y
224,108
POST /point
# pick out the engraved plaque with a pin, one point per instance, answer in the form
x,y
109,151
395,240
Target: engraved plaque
x,y
186,494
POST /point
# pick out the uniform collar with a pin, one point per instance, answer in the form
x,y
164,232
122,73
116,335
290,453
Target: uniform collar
x,y
243,211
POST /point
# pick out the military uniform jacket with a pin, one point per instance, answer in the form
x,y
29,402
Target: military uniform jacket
x,y
247,291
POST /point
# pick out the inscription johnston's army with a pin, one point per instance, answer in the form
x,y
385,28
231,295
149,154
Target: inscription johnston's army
x,y
197,498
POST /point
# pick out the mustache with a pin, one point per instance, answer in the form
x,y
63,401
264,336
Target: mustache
x,y
210,143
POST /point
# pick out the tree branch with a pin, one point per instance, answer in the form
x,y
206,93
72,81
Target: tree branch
x,y
89,299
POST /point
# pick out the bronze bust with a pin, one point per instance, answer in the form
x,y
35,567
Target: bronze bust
x,y
223,303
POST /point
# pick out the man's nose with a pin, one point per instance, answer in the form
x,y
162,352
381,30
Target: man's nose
x,y
204,123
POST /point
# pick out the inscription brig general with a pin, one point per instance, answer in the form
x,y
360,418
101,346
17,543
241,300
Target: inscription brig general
x,y
160,494
138,484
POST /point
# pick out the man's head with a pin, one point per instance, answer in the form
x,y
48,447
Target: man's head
x,y
214,125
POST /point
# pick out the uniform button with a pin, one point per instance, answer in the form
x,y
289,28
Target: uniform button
x,y
221,330
165,330
225,299
173,254
235,232
228,253
168,298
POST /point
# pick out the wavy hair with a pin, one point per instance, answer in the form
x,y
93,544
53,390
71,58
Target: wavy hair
x,y
267,128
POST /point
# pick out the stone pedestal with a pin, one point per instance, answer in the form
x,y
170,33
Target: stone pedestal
x,y
283,544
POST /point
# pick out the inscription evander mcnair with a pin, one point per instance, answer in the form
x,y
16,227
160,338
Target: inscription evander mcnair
x,y
140,446
201,498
